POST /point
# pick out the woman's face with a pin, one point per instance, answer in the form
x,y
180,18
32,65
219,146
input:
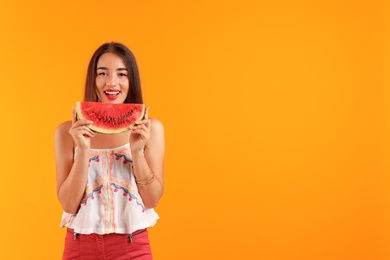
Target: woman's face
x,y
112,83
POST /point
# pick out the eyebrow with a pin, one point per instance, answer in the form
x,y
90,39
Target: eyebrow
x,y
104,68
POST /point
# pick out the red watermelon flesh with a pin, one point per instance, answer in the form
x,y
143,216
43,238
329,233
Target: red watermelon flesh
x,y
110,118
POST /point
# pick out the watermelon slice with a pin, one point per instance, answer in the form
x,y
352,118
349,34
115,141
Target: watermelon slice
x,y
110,118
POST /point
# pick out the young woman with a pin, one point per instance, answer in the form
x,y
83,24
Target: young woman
x,y
108,185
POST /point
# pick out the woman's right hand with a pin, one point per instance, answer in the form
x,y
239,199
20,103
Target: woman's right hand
x,y
80,133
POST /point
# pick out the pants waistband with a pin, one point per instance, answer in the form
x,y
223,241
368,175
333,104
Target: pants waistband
x,y
130,236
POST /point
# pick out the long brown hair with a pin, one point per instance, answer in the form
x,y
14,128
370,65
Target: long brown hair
x,y
135,94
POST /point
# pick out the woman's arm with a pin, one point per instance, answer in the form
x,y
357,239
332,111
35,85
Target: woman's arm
x,y
71,173
148,165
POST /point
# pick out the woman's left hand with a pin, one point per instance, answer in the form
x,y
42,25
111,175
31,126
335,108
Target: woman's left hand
x,y
140,133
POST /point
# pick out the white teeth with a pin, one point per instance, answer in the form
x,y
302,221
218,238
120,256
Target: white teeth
x,y
111,93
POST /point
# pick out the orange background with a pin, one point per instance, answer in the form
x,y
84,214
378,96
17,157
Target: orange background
x,y
276,113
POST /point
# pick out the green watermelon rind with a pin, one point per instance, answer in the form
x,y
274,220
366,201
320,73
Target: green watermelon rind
x,y
106,130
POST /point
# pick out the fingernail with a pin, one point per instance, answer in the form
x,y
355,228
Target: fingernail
x,y
137,122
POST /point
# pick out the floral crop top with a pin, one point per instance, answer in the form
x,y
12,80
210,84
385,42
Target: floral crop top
x,y
111,202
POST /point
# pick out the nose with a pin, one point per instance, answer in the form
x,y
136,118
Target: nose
x,y
111,81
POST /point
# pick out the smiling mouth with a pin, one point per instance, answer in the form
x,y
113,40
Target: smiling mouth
x,y
113,93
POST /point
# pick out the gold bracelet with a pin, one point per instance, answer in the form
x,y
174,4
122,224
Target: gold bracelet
x,y
146,181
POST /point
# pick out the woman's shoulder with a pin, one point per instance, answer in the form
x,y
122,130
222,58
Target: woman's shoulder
x,y
62,129
64,126
62,137
156,124
154,120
